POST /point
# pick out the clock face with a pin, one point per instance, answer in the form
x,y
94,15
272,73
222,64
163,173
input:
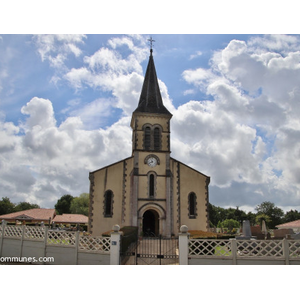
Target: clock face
x,y
152,162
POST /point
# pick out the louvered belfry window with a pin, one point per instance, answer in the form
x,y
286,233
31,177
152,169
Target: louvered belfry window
x,y
156,138
152,137
147,140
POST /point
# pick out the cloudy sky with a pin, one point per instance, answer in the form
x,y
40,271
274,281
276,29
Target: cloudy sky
x,y
66,103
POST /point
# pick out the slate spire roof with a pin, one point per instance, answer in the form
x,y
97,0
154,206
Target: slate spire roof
x,y
150,99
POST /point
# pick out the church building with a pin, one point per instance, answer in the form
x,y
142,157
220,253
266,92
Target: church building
x,y
150,189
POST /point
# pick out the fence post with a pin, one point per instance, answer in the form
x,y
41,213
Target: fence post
x,y
2,236
183,245
45,241
22,238
115,238
233,250
286,251
76,246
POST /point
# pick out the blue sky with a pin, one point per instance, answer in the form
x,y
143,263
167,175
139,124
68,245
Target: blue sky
x,y
173,54
66,103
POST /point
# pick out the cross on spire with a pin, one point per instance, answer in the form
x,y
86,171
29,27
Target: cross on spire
x,y
151,43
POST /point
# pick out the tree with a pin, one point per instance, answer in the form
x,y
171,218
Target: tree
x,y
235,214
63,204
260,217
24,206
275,213
251,217
80,205
290,216
216,214
6,206
230,224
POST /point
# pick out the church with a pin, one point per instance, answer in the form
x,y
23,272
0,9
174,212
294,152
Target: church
x,y
150,189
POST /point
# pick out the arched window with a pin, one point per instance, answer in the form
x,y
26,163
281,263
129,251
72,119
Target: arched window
x,y
151,185
157,138
192,205
147,138
152,137
108,204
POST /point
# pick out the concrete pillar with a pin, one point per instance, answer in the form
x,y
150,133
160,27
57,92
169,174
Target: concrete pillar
x,y
2,235
77,237
115,240
286,251
233,250
22,239
183,245
45,241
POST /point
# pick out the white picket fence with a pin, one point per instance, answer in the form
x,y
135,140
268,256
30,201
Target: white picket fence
x,y
234,251
42,245
64,247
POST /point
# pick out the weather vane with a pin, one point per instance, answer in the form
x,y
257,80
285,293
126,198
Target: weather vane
x,y
151,43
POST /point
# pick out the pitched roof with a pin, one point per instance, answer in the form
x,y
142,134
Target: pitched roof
x,y
31,214
71,218
208,177
150,99
293,224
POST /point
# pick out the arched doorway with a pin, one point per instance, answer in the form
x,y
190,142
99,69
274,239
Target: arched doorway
x,y
151,223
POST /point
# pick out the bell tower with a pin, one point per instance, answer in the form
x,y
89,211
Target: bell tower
x,y
150,125
151,120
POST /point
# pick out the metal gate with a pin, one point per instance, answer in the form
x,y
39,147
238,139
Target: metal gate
x,y
154,251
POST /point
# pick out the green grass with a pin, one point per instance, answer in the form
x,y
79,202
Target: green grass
x,y
221,251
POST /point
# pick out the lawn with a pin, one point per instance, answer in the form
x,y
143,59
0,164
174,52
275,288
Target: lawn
x,y
222,251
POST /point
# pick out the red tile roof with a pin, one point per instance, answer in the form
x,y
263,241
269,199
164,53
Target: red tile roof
x,y
293,224
42,214
71,218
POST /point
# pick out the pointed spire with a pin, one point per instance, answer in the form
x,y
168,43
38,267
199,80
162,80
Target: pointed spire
x,y
150,99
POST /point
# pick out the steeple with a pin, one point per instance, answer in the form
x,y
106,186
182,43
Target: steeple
x,y
150,99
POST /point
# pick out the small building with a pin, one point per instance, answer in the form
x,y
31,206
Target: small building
x,y
34,216
71,219
46,215
295,225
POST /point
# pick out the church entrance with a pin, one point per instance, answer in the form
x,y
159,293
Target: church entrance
x,y
150,223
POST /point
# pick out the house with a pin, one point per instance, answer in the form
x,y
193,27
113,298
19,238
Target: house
x,y
45,215
150,189
71,219
295,225
35,215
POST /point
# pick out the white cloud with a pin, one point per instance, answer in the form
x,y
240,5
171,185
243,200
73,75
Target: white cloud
x,y
198,76
49,161
93,114
41,113
256,103
275,42
57,44
197,54
77,76
108,70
